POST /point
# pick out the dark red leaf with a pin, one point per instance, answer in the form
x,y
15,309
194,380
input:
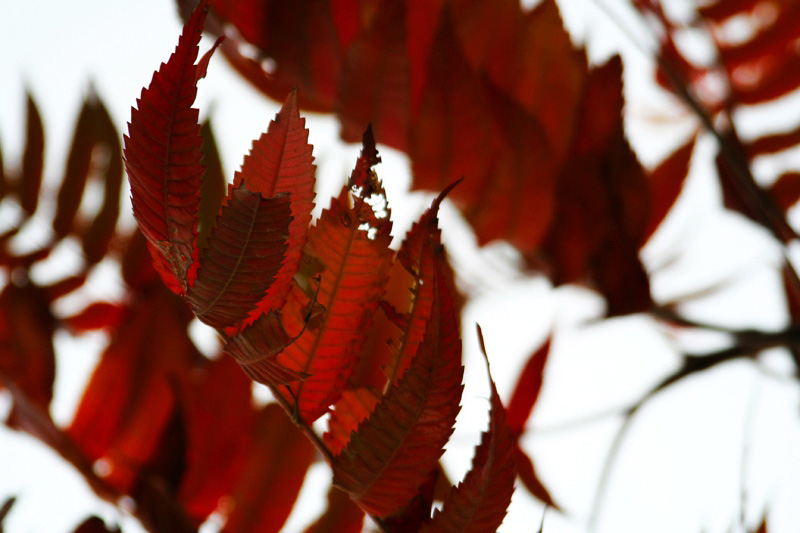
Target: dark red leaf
x,y
527,474
94,524
97,236
396,448
310,64
341,515
27,356
786,190
723,9
9,503
163,159
374,80
478,504
244,253
30,180
276,465
527,389
280,161
213,191
666,183
78,168
770,144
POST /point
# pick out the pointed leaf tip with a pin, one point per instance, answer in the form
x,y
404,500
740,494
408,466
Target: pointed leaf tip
x,y
480,501
163,158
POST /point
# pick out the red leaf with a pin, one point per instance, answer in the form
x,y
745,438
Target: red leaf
x,y
786,190
213,192
280,161
341,516
98,315
256,349
666,183
723,9
311,64
30,180
79,163
396,448
526,392
351,267
374,80
97,236
163,159
242,257
527,474
770,144
479,503
219,417
276,465
27,356
130,399
352,408
343,274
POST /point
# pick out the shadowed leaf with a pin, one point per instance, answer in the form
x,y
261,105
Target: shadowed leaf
x,y
244,253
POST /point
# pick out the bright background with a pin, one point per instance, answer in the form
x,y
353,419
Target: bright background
x,y
693,448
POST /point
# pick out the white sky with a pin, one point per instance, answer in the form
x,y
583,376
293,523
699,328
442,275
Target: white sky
x,y
685,461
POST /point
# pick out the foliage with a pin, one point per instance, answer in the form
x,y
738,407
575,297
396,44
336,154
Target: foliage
x,y
326,314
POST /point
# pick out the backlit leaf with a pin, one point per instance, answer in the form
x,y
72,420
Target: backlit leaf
x,y
393,451
163,159
280,161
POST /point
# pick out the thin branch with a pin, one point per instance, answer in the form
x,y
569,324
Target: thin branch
x,y
691,365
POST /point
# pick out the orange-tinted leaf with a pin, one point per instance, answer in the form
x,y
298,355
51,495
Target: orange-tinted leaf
x,y
666,183
527,389
243,256
280,161
276,464
30,181
479,502
352,408
341,515
342,277
256,349
219,421
396,448
163,159
130,400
